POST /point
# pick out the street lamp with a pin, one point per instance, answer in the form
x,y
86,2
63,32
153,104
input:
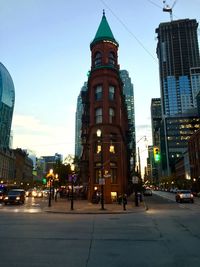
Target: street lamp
x,y
72,187
99,135
50,175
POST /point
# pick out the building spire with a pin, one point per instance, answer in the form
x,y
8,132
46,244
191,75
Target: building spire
x,y
104,32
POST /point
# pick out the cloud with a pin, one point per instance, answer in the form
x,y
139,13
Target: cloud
x,y
30,132
29,123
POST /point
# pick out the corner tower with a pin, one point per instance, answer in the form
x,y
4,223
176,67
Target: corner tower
x,y
105,110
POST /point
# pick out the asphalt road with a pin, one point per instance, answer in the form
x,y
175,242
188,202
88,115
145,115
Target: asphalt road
x,y
167,234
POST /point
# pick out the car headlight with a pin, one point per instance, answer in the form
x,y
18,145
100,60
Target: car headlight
x,y
181,195
34,194
6,198
191,195
17,198
1,197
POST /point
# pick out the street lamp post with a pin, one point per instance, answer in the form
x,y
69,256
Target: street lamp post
x,y
50,183
99,135
72,187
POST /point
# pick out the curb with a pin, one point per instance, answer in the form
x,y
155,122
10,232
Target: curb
x,y
100,212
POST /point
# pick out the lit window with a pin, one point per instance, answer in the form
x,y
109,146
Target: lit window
x,y
98,149
112,149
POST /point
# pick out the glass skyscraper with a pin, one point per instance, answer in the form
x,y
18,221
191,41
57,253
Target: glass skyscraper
x,y
179,68
179,62
129,99
7,100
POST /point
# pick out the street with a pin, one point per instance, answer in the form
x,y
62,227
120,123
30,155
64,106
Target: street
x,y
166,234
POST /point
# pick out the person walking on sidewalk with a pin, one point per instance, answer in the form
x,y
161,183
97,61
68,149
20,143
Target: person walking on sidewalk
x,y
124,201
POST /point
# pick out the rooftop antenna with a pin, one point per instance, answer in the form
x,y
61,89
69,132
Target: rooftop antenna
x,y
169,9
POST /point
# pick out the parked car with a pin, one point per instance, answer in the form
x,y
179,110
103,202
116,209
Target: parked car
x,y
184,196
147,192
15,196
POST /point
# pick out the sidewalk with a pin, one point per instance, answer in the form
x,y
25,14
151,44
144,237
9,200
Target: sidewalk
x,y
85,207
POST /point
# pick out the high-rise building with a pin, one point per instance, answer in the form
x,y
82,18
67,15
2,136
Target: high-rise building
x,y
156,118
78,121
179,63
7,100
129,99
50,161
105,160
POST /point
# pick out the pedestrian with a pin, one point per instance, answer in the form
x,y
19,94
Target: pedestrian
x,y
56,194
124,201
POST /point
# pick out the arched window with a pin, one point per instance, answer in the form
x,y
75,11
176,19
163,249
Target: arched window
x,y
113,172
111,59
111,92
98,92
111,115
98,115
97,59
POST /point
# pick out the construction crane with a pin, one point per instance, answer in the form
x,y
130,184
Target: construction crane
x,y
169,9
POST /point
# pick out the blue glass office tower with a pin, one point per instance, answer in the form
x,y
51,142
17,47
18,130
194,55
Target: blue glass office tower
x,y
7,100
179,62
128,92
179,68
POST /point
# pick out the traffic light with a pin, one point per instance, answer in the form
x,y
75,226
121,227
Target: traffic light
x,y
44,180
156,154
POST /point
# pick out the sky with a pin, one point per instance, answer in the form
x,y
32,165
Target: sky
x,y
45,46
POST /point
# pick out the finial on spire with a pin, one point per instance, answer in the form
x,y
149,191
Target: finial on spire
x,y
103,12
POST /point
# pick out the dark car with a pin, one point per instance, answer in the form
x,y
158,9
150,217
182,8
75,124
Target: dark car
x,y
184,196
15,196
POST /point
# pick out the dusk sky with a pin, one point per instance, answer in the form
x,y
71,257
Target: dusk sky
x,y
45,45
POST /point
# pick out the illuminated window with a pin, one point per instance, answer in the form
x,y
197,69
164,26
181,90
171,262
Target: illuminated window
x,y
112,148
98,148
